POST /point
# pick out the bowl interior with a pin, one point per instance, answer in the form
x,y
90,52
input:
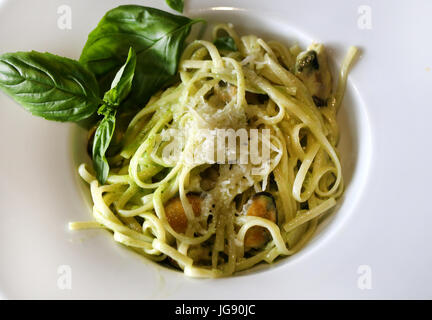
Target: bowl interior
x,y
354,145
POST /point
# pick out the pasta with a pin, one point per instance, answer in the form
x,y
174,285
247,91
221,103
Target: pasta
x,y
215,218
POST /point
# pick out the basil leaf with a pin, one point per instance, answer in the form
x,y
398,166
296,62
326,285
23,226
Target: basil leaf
x,y
49,86
102,139
177,5
157,37
120,88
122,83
225,43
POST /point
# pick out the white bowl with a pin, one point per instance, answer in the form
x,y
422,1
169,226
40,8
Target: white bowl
x,y
380,225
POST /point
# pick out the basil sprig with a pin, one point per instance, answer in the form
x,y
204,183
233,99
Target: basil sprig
x,y
63,89
120,89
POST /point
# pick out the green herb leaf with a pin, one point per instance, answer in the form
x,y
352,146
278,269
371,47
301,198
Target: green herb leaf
x,y
157,37
120,88
122,83
225,43
102,139
49,86
177,5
